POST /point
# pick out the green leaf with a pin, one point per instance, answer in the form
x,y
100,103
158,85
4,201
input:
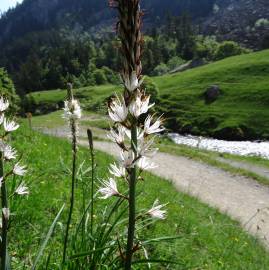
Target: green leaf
x,y
44,244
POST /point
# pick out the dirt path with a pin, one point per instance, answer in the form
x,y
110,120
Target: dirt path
x,y
243,199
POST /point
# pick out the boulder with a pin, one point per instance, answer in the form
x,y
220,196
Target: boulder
x,y
212,93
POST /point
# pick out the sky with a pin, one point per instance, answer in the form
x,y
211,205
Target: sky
x,y
6,4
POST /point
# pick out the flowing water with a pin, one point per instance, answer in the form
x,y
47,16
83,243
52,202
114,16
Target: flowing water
x,y
242,148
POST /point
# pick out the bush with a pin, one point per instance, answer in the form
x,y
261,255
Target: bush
x,y
7,90
175,62
160,69
227,49
99,76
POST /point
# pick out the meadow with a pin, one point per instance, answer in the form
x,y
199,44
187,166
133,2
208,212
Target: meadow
x,y
206,239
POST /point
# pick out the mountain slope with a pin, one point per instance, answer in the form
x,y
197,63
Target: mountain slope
x,y
240,112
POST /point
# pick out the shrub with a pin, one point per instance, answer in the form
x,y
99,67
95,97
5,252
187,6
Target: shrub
x,y
7,90
160,69
175,62
227,49
100,76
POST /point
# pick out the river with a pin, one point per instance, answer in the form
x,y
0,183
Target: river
x,y
242,148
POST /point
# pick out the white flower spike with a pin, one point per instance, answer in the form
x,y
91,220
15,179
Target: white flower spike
x,y
140,105
109,189
10,126
19,170
132,82
152,128
3,104
156,212
22,189
72,109
117,171
117,110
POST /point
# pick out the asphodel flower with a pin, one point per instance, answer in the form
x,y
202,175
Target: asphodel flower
x,y
109,189
156,211
145,149
117,109
117,171
127,159
140,105
144,163
10,126
117,135
19,170
151,128
132,82
8,152
3,104
22,189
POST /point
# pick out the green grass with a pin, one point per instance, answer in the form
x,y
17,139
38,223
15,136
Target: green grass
x,y
241,111
208,240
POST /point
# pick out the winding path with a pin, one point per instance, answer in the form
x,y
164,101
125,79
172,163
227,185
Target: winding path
x,y
241,198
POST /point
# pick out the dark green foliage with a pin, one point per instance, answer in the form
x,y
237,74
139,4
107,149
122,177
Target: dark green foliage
x,y
227,49
7,90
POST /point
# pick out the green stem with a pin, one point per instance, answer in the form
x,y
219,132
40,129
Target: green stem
x,y
4,202
90,139
132,202
72,197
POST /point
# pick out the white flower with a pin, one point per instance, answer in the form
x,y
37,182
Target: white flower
x,y
3,104
132,82
117,171
117,110
2,117
8,152
10,125
72,109
127,159
154,128
145,149
109,189
22,189
6,213
117,137
156,211
1,181
19,170
140,105
144,163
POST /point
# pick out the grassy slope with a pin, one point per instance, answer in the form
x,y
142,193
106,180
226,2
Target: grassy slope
x,y
240,112
242,106
208,239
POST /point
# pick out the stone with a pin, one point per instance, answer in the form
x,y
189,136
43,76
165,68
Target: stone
x,y
212,93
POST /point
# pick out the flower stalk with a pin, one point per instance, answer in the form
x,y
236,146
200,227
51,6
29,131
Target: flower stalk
x,y
4,204
7,155
72,112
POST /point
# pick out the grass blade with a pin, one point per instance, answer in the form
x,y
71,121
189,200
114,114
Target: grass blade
x,y
45,242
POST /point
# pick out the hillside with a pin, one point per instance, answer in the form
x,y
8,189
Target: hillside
x,y
240,112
